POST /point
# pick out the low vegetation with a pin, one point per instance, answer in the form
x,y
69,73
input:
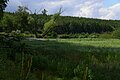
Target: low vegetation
x,y
65,59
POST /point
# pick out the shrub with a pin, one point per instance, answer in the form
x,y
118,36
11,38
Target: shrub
x,y
116,33
52,35
94,35
28,35
64,36
74,35
106,35
39,36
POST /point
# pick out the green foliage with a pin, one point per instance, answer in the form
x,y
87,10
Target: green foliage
x,y
85,58
76,59
7,23
41,24
75,25
61,59
52,35
8,70
22,18
83,35
36,23
11,49
94,35
51,24
31,20
40,63
116,33
3,4
106,35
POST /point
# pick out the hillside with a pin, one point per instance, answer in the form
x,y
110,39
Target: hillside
x,y
66,24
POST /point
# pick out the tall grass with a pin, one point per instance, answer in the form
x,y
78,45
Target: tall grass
x,y
77,59
64,59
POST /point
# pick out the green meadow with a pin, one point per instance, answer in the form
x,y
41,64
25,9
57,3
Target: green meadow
x,y
76,59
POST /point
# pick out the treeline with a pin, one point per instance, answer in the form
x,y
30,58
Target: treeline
x,y
85,25
34,23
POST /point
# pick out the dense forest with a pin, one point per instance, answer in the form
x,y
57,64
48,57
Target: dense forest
x,y
34,23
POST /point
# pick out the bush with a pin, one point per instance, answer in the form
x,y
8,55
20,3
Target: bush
x,y
106,35
16,35
52,35
64,36
83,35
28,35
116,34
39,36
93,35
74,35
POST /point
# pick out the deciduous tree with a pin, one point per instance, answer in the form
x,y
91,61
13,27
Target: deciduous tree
x,y
52,23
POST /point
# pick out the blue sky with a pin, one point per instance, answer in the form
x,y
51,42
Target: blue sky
x,y
108,3
103,9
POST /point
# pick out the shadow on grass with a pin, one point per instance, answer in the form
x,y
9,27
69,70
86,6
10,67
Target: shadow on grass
x,y
56,57
55,46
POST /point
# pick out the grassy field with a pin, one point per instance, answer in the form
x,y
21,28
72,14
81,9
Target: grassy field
x,y
61,59
76,59
77,45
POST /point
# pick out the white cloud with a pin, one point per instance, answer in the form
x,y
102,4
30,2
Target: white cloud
x,y
89,8
112,12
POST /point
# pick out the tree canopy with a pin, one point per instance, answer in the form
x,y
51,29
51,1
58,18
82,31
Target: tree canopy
x,y
3,4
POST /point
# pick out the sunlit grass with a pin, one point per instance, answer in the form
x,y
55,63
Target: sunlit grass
x,y
77,45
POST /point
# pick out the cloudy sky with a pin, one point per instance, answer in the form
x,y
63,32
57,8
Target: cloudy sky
x,y
103,9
